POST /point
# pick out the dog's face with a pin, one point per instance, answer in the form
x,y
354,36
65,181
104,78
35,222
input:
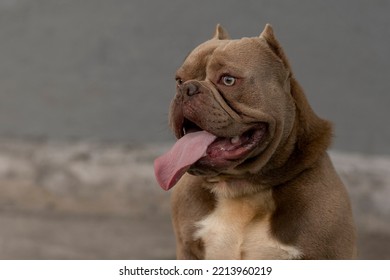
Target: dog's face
x,y
239,91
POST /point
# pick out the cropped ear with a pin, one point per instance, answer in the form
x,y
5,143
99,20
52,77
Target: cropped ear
x,y
269,37
220,33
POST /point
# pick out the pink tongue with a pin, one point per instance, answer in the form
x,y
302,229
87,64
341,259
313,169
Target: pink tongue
x,y
171,166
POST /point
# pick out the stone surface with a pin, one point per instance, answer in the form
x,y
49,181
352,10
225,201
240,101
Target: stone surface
x,y
88,200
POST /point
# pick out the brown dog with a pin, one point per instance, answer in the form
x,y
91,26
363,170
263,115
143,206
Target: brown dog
x,y
253,179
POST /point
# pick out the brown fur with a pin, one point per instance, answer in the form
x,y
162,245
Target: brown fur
x,y
284,200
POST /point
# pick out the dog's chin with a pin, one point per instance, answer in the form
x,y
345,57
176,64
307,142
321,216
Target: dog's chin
x,y
226,153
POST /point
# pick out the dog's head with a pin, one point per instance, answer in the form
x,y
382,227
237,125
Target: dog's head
x,y
243,92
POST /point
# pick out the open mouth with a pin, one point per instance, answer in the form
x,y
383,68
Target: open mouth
x,y
225,149
200,152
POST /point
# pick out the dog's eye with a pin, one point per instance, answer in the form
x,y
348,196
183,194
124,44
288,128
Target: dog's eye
x,y
179,81
228,80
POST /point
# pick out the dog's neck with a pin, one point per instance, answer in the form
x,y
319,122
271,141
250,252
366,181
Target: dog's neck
x,y
224,186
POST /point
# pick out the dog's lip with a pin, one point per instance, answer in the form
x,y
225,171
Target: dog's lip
x,y
231,148
225,150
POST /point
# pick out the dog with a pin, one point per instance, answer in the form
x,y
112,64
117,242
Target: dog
x,y
252,176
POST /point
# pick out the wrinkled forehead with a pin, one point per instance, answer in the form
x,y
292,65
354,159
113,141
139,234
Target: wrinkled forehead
x,y
245,52
198,59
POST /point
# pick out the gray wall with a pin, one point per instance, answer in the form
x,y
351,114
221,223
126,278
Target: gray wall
x,y
103,70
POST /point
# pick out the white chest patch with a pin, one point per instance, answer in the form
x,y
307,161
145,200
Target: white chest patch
x,y
239,228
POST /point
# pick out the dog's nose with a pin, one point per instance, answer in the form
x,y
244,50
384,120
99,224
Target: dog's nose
x,y
190,89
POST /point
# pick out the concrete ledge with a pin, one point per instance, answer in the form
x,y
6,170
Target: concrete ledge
x,y
86,200
80,178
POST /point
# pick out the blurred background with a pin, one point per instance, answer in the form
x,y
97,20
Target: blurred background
x,y
84,93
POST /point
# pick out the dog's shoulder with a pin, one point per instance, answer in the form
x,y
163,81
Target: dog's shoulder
x,y
314,212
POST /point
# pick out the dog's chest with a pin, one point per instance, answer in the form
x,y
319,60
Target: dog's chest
x,y
240,229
